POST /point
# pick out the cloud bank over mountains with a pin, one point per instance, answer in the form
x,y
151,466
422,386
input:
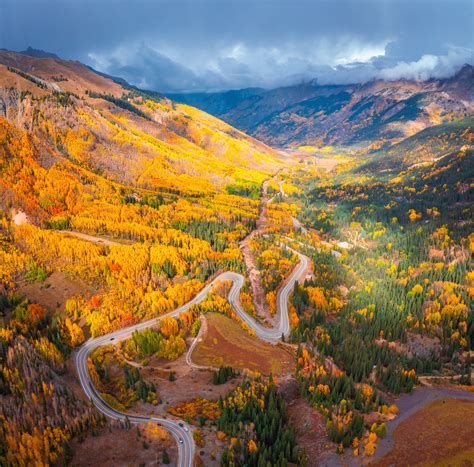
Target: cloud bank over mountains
x,y
209,45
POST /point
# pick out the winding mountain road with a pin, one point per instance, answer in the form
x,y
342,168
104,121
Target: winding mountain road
x,y
179,429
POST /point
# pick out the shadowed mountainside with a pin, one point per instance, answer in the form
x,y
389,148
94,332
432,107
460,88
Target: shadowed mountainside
x,y
312,114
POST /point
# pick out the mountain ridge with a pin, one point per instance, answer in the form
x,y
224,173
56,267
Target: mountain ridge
x,y
313,114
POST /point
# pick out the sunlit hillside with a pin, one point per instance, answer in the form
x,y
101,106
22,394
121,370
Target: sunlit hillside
x,y
180,183
426,147
115,205
143,140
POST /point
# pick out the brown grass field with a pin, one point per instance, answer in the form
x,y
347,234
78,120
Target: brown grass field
x,y
55,291
226,344
440,434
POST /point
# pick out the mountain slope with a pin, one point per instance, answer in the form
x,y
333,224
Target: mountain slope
x,y
219,103
425,147
310,114
172,189
124,134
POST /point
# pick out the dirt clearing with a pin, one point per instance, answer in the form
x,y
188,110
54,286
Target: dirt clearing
x,y
55,290
309,425
187,386
142,445
226,344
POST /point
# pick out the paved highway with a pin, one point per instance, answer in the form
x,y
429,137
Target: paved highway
x,y
178,429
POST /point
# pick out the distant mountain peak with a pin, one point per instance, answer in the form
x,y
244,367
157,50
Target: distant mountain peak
x,y
467,71
462,83
38,53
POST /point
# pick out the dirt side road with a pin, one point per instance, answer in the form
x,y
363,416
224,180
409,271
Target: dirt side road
x,y
258,294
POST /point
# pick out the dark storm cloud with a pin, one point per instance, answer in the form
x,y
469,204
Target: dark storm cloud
x,y
175,45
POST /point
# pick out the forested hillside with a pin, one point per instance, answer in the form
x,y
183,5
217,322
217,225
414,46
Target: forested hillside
x,y
393,308
425,147
139,139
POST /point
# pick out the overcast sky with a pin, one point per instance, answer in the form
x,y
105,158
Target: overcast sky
x,y
195,45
